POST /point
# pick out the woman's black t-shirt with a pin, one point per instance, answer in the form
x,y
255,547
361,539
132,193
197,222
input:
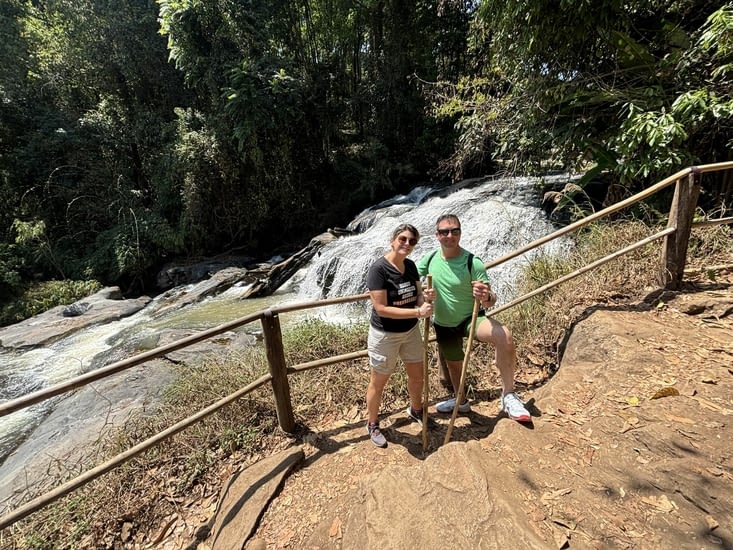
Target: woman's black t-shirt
x,y
401,292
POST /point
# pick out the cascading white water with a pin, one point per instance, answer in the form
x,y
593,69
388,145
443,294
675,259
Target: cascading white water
x,y
26,371
497,216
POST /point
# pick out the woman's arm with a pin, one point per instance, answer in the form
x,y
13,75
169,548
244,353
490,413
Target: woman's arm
x,y
379,302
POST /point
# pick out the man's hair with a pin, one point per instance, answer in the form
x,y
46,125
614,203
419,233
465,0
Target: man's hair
x,y
444,217
405,227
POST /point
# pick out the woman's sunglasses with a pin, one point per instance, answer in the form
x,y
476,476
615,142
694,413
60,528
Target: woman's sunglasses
x,y
403,240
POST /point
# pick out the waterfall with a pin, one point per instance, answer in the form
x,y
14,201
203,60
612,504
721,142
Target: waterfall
x,y
497,217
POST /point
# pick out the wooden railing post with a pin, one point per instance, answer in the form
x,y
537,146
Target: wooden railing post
x,y
674,247
278,370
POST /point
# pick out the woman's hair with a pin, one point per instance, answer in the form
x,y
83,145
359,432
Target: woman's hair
x,y
405,227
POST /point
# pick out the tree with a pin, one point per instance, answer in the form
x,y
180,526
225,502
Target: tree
x,y
639,89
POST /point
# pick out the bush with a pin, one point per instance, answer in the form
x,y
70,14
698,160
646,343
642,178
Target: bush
x,y
43,296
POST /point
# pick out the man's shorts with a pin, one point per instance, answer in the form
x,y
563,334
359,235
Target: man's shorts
x,y
385,347
450,339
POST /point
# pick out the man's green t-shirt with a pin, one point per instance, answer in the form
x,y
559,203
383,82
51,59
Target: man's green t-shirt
x,y
452,284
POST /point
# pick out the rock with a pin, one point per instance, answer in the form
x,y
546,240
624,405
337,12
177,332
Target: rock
x,y
177,275
245,497
76,309
606,463
67,439
45,328
452,495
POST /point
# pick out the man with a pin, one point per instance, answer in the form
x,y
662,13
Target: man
x,y
459,278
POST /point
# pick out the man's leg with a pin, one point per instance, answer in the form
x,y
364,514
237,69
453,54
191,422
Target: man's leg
x,y
500,336
491,331
454,369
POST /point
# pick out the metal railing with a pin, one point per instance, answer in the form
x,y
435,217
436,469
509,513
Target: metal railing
x,y
674,251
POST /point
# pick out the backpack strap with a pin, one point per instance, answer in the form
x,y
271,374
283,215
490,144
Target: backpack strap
x,y
469,262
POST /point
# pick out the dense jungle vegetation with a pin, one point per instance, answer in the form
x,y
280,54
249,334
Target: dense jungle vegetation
x,y
132,133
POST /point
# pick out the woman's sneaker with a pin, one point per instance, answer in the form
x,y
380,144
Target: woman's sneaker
x,y
514,408
417,417
375,434
447,406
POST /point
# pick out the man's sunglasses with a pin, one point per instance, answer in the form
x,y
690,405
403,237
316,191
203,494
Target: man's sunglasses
x,y
452,231
403,240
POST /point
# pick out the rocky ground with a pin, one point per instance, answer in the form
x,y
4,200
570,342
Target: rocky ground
x,y
630,447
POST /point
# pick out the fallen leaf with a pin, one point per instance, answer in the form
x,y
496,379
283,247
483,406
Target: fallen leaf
x,y
665,392
555,494
565,522
712,524
632,400
662,503
335,530
561,540
681,419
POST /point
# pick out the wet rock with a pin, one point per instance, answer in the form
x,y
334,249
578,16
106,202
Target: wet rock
x,y
42,329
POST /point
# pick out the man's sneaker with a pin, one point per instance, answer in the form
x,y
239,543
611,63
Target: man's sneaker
x,y
417,417
447,406
514,408
375,434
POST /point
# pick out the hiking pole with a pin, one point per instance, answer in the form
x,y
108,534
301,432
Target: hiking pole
x,y
425,382
459,393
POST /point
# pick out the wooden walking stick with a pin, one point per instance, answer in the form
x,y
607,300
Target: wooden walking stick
x,y
425,382
459,393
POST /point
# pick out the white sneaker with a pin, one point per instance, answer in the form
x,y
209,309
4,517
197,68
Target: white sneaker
x,y
375,434
448,405
514,408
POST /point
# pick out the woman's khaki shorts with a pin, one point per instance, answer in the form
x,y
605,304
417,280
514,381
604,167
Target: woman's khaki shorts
x,y
385,347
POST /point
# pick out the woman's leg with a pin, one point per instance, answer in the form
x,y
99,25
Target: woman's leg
x,y
377,382
415,384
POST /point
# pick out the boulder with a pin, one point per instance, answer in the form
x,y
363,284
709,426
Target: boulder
x,y
45,328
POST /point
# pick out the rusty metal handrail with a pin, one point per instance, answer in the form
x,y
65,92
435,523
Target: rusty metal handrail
x,y
113,368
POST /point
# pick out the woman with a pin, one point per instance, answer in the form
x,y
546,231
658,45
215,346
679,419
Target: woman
x,y
398,302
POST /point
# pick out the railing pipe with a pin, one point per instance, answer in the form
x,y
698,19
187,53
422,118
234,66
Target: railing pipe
x,y
319,303
582,270
301,367
71,485
713,223
113,368
590,219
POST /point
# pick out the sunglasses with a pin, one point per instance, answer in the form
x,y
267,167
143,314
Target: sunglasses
x,y
450,231
403,240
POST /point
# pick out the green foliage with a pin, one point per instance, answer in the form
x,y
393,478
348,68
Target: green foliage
x,y
639,90
42,296
11,271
